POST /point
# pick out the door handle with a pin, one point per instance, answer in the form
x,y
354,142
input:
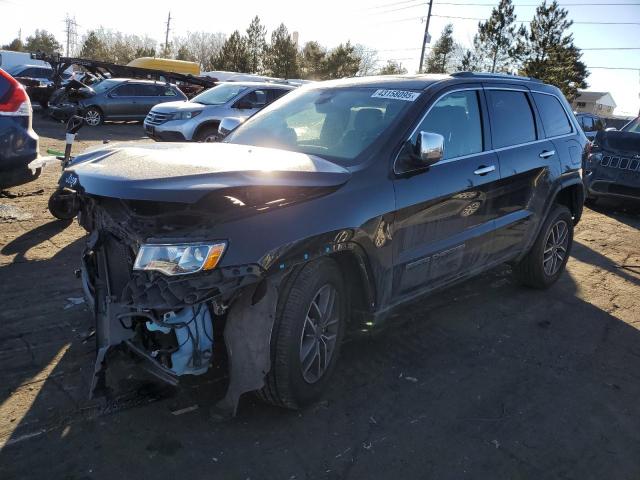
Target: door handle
x,y
547,153
482,170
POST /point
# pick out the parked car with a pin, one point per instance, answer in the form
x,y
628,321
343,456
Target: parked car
x,y
613,167
198,119
327,210
633,126
117,99
591,124
18,141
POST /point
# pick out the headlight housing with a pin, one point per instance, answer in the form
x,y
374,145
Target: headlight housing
x,y
185,115
179,259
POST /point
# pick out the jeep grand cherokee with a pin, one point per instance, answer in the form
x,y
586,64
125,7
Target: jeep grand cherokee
x,y
324,212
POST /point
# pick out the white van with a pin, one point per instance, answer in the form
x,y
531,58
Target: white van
x,y
9,59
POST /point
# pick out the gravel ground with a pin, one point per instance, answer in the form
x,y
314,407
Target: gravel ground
x,y
485,380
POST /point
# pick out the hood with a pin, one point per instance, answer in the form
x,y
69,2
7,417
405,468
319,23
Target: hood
x,y
625,143
185,172
170,107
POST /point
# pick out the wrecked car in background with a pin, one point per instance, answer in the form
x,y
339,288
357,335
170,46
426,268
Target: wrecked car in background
x,y
613,167
325,211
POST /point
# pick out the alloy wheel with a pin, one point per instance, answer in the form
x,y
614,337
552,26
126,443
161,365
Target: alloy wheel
x,y
92,117
555,247
319,333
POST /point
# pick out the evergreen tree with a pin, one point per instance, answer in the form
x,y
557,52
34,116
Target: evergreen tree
x,y
94,47
42,41
281,59
342,62
442,54
313,58
234,54
256,43
496,41
548,52
469,62
393,68
16,45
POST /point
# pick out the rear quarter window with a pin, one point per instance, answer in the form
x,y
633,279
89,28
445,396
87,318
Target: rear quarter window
x,y
554,118
511,118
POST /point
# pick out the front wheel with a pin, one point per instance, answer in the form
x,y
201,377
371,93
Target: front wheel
x,y
93,117
306,337
546,260
208,135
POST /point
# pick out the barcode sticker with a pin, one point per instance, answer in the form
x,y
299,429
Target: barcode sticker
x,y
405,95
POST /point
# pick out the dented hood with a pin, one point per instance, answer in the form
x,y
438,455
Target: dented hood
x,y
185,172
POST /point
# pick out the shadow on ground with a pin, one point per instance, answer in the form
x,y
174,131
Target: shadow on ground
x,y
485,380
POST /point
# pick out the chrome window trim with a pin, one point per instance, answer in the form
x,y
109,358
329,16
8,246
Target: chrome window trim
x,y
395,161
493,150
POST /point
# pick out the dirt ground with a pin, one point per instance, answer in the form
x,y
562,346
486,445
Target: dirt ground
x,y
486,380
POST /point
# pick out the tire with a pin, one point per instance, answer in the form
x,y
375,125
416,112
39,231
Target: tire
x,y
93,117
538,269
287,384
63,206
208,134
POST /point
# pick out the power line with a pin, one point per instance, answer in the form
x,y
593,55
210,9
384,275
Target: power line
x,y
529,21
617,68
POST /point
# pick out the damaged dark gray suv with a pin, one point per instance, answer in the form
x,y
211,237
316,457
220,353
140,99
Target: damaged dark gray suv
x,y
321,214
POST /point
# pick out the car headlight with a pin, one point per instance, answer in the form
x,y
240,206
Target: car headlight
x,y
185,115
179,259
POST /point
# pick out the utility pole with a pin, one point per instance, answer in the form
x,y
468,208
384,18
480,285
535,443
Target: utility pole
x,y
426,38
71,32
166,37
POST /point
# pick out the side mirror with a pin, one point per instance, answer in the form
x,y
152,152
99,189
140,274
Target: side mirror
x,y
429,149
228,125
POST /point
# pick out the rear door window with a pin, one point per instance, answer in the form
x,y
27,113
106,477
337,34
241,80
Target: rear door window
x,y
126,90
147,90
276,93
512,120
457,118
554,118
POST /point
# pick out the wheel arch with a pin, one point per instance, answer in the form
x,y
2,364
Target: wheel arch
x,y
207,124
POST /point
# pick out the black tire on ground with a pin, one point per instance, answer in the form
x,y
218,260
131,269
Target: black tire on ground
x,y
93,116
530,271
286,385
208,134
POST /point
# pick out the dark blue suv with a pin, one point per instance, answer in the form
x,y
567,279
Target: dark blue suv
x,y
18,141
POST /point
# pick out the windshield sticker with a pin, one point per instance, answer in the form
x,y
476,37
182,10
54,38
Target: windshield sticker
x,y
396,95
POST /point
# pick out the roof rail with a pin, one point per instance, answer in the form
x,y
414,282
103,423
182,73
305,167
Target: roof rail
x,y
505,76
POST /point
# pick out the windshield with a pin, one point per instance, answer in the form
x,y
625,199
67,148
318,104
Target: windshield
x,y
632,126
336,122
104,85
219,95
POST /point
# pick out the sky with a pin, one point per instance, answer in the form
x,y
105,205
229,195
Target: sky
x,y
394,28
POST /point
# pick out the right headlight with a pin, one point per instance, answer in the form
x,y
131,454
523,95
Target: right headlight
x,y
185,115
179,259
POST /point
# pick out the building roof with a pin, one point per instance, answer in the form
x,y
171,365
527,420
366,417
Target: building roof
x,y
603,98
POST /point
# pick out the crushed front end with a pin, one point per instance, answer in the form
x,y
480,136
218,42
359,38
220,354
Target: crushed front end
x,y
161,306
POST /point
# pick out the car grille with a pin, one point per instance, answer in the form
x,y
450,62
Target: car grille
x,y
155,118
622,163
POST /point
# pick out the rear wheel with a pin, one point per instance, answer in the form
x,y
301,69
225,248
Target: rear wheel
x,y
546,260
306,337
